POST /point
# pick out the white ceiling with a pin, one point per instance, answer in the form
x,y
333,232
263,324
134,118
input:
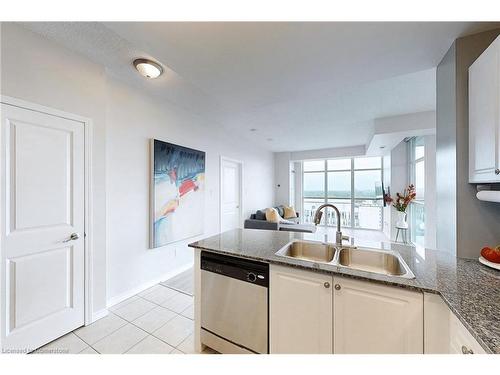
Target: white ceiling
x,y
305,85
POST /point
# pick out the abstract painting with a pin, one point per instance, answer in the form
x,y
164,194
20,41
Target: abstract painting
x,y
177,194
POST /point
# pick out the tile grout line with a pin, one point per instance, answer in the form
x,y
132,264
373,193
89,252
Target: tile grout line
x,y
177,347
151,335
175,316
163,307
107,334
131,322
137,343
148,334
168,299
158,327
113,308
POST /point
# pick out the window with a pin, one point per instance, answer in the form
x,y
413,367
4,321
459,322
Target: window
x,y
352,185
313,188
416,152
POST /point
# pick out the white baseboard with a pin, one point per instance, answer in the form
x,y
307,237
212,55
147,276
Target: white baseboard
x,y
99,315
140,288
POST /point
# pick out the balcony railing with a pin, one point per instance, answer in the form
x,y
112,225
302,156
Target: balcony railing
x,y
367,212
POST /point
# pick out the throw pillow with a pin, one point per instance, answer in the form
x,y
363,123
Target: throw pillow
x,y
272,215
289,212
280,210
260,215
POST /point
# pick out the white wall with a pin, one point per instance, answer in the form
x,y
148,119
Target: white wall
x,y
133,118
389,131
386,165
282,177
298,190
399,178
430,204
39,71
446,158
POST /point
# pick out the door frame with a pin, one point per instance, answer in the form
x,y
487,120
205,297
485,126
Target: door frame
x,y
240,213
89,316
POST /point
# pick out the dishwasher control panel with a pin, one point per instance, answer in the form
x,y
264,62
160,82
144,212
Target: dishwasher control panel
x,y
237,268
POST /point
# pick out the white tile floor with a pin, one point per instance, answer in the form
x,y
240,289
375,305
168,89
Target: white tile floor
x,y
156,321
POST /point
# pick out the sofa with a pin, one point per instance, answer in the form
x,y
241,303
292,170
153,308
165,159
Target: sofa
x,y
258,221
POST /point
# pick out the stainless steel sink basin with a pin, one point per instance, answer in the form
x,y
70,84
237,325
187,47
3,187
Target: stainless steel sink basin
x,y
382,262
312,251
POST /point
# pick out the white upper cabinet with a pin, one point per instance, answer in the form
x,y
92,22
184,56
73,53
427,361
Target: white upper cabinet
x,y
484,116
300,311
371,318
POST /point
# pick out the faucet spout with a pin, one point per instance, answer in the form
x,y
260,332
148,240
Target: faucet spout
x,y
319,214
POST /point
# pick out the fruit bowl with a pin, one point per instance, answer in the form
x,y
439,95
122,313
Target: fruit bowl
x,y
489,264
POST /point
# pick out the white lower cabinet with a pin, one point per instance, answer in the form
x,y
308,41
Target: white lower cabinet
x,y
300,311
444,333
373,318
311,312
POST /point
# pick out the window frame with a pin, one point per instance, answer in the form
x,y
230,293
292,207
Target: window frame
x,y
412,169
352,198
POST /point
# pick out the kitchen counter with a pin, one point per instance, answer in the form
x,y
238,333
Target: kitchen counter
x,y
471,290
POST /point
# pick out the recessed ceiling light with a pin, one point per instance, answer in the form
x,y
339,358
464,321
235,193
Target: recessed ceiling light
x,y
382,147
253,130
148,68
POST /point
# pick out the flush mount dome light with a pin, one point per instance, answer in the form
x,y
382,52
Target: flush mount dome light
x,y
148,68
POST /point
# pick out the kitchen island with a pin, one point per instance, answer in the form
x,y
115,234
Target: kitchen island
x,y
470,290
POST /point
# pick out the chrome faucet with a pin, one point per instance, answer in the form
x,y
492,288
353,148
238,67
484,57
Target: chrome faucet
x,y
317,220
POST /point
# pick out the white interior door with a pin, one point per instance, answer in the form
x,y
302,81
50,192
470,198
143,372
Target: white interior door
x,y
42,227
230,195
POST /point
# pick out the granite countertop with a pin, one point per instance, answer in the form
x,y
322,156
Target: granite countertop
x,y
470,289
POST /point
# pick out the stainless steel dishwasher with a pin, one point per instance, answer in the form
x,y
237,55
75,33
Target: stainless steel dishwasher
x,y
234,304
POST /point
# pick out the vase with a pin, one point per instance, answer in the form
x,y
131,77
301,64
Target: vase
x,y
401,221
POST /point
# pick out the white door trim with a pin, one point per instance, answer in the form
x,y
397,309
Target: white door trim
x,y
240,213
88,282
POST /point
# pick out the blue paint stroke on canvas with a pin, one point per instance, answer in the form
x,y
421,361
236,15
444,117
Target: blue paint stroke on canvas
x,y
179,179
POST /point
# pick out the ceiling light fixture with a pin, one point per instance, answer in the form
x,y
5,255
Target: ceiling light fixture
x,y
148,68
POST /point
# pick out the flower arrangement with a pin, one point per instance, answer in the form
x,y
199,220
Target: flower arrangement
x,y
402,200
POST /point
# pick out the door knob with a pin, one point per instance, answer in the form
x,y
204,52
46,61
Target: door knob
x,y
326,284
497,171
72,237
337,286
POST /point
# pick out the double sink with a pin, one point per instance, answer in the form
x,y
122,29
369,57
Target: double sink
x,y
381,262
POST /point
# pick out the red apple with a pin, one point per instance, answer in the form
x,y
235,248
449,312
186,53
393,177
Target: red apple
x,y
491,254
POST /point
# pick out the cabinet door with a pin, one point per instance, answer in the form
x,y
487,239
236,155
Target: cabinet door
x,y
484,116
461,341
300,311
436,325
372,318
